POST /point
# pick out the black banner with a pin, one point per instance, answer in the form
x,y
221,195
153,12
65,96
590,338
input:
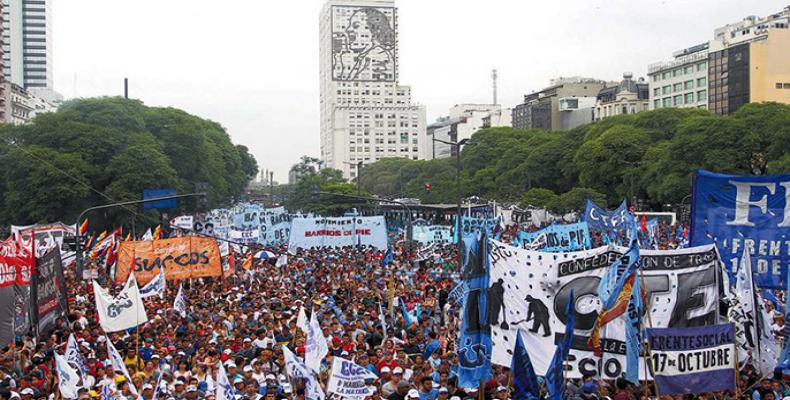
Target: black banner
x,y
48,293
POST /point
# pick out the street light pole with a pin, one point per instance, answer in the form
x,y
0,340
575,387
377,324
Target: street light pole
x,y
457,188
78,255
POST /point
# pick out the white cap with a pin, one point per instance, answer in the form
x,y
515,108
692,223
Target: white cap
x,y
27,391
147,386
501,389
191,388
247,368
385,369
397,370
238,380
413,393
247,340
271,377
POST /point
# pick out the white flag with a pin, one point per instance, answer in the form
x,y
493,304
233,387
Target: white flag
x,y
224,390
123,311
68,377
759,339
180,303
148,235
74,356
156,287
348,379
297,370
315,347
301,320
282,260
119,366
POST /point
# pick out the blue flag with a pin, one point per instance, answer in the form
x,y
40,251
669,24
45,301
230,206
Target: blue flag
x,y
474,345
524,379
406,316
633,332
769,295
784,356
614,278
388,257
554,376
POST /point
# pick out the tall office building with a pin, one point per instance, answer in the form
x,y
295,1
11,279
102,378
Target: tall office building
x,y
27,43
366,115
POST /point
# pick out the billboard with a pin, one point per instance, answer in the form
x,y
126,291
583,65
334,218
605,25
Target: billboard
x,y
364,44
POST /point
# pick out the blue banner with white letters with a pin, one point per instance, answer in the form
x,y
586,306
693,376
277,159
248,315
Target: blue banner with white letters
x,y
474,345
611,223
557,238
745,212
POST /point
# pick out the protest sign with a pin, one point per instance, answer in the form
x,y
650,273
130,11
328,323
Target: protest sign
x,y
182,258
745,213
681,286
431,234
476,225
693,360
275,226
183,222
338,232
348,379
558,238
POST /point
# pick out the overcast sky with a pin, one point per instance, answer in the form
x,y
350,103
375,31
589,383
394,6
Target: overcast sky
x,y
252,65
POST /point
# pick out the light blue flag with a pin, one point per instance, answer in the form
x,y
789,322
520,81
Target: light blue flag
x,y
614,278
784,356
633,332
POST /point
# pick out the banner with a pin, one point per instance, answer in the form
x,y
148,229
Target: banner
x,y
297,370
68,379
275,226
528,291
558,238
182,258
480,313
604,220
693,360
744,213
470,225
431,234
338,232
348,379
48,292
184,222
48,236
124,311
156,287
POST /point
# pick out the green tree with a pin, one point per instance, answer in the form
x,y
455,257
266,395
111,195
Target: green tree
x,y
538,197
575,200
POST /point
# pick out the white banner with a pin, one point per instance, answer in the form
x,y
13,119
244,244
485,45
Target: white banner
x,y
123,311
348,379
315,346
529,291
275,226
338,232
432,234
183,222
244,235
156,287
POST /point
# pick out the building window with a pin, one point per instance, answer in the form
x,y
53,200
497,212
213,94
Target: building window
x,y
677,87
666,89
702,95
786,85
778,85
677,100
676,72
688,85
656,91
688,69
667,102
665,75
689,98
702,66
701,82
657,103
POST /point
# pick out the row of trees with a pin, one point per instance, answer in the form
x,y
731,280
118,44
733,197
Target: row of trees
x,y
653,153
102,150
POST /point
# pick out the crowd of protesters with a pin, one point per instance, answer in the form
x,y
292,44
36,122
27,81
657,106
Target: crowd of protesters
x,y
244,319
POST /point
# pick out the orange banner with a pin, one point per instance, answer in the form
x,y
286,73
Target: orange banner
x,y
182,258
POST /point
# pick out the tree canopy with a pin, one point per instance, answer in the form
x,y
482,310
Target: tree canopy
x,y
103,150
656,150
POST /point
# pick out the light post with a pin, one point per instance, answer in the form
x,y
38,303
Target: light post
x,y
457,188
359,175
78,255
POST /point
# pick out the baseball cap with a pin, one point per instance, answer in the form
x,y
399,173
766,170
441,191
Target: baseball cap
x,y
413,394
443,390
271,377
191,388
397,370
247,368
238,380
148,386
501,389
385,370
27,391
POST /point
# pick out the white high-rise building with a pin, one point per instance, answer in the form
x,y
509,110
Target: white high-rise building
x,y
27,43
365,114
